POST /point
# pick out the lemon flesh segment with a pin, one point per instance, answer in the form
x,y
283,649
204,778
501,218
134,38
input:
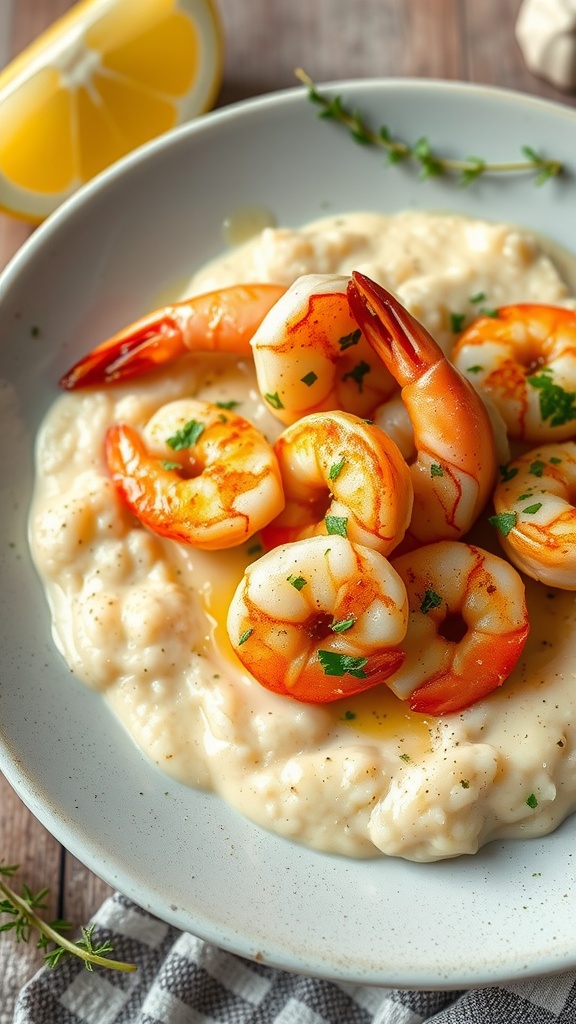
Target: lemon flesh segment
x,y
111,75
36,144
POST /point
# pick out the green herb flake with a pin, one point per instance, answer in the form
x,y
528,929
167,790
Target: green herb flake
x,y
464,783
537,467
488,311
554,460
405,757
556,405
507,473
349,340
166,464
334,664
274,400
531,510
430,600
187,436
232,404
309,379
477,368
475,299
357,374
254,549
457,321
349,716
343,625
244,636
298,582
532,801
504,522
337,525
336,468
436,469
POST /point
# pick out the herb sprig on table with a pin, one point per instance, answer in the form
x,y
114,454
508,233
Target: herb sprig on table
x,y
431,163
23,921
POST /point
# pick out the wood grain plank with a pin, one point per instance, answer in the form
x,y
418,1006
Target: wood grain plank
x,y
495,56
24,841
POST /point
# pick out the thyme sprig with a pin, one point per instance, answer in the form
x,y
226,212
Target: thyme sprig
x,y
431,164
24,921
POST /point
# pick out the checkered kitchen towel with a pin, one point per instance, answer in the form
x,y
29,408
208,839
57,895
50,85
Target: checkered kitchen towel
x,y
182,980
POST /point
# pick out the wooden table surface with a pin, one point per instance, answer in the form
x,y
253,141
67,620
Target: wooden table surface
x,y
265,41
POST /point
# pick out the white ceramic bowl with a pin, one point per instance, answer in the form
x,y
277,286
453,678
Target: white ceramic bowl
x,y
184,855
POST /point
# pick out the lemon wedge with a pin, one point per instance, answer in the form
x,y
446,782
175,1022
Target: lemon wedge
x,y
105,78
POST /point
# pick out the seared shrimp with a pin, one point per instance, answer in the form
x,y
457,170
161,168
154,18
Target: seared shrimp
x,y
455,466
219,321
310,355
198,475
341,475
524,357
319,619
467,626
535,513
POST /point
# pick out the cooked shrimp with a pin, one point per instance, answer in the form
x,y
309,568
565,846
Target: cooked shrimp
x,y
219,321
467,626
341,475
525,359
319,619
310,355
535,513
198,474
455,465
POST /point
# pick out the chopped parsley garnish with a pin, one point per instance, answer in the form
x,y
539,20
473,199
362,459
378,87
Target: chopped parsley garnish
x,y
342,664
532,801
507,473
430,600
479,297
532,509
436,469
343,625
537,467
274,400
457,321
405,757
166,464
477,368
232,404
337,525
336,468
297,581
358,374
309,379
244,637
348,340
464,783
556,405
488,311
187,436
504,522
349,716
554,460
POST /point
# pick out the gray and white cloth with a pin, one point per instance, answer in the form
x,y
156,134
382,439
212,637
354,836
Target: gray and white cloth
x,y
183,980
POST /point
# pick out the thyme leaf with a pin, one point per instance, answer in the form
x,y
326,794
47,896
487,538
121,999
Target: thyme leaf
x,y
24,920
431,163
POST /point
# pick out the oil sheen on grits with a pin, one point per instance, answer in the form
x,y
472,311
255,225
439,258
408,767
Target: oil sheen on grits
x,y
142,619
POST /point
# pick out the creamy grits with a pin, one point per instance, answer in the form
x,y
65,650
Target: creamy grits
x,y
143,619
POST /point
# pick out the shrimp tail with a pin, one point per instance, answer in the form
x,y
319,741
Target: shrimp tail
x,y
453,691
146,344
219,321
397,337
